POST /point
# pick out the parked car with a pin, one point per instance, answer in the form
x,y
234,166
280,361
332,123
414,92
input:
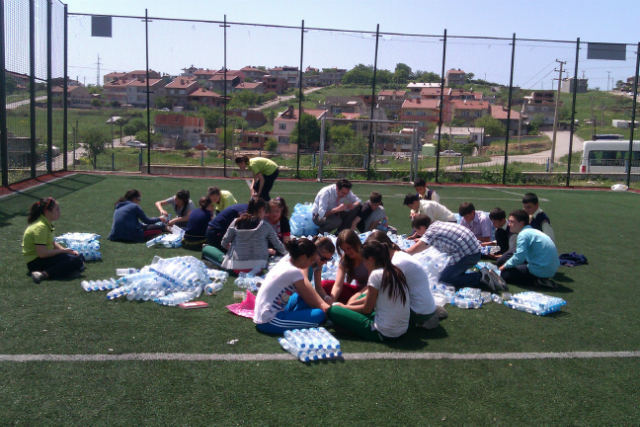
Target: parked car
x,y
450,153
136,144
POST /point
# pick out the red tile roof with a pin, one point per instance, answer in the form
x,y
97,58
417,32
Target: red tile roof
x,y
114,74
117,83
452,71
202,92
143,82
460,104
178,120
392,92
432,91
500,113
248,86
253,69
425,104
60,89
220,77
294,115
181,83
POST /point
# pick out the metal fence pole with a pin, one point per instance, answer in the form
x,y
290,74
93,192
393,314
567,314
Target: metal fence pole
x,y
300,132
32,84
373,100
65,126
146,32
3,108
444,58
573,111
506,141
633,114
49,88
321,158
224,99
412,173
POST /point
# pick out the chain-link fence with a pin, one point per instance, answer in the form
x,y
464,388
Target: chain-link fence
x,y
185,97
33,117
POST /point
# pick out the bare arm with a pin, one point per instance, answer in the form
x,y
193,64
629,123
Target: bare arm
x,y
418,247
369,302
337,286
159,205
43,252
309,296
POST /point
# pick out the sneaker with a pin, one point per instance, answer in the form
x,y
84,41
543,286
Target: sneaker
x,y
441,312
432,323
498,281
37,277
547,283
485,279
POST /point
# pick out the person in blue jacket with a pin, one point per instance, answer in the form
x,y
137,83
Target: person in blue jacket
x,y
130,223
219,225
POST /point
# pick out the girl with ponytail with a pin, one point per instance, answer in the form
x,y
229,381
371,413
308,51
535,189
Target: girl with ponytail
x,y
382,311
45,258
284,301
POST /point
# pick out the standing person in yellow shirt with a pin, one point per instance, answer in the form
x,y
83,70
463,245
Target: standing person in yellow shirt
x,y
45,258
265,172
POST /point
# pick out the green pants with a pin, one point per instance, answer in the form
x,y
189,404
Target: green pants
x,y
358,323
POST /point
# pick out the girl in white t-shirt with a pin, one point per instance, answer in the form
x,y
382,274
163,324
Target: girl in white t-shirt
x,y
423,306
284,302
382,312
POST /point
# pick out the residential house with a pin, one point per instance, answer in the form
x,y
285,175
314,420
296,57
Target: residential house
x,y
424,111
394,142
211,140
254,74
274,84
253,87
328,77
77,96
206,97
217,82
180,89
465,135
542,102
567,85
204,74
141,74
465,111
254,118
286,121
414,89
137,92
254,140
291,74
116,90
345,104
455,77
176,129
500,112
188,72
391,101
111,76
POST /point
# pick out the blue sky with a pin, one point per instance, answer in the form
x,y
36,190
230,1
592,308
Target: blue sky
x,y
174,46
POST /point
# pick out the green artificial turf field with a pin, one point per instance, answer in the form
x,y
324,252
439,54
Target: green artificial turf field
x,y
60,318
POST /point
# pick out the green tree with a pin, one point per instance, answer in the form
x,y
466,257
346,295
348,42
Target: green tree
x,y
271,115
351,152
383,77
271,144
310,132
340,135
164,102
536,123
97,103
134,126
93,141
491,125
426,77
469,77
402,73
142,136
360,74
10,84
563,114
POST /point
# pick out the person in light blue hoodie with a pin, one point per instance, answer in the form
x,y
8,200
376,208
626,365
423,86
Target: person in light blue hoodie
x,y
535,261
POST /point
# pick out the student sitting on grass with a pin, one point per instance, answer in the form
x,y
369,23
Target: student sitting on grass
x,y
182,206
351,269
195,235
423,192
221,199
127,218
424,312
505,239
477,222
537,218
325,250
383,310
247,240
535,260
278,218
45,258
371,216
433,210
284,301
220,224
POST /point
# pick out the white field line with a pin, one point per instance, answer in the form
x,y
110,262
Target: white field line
x,y
186,357
540,199
16,193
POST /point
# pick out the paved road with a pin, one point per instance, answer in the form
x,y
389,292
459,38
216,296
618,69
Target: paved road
x,y
17,104
283,98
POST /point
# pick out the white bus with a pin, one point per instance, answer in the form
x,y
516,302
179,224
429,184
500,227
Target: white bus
x,y
608,156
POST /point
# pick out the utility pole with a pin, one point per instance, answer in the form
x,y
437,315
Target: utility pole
x,y
608,78
98,72
555,116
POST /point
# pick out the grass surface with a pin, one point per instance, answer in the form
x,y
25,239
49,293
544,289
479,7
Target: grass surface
x,y
60,318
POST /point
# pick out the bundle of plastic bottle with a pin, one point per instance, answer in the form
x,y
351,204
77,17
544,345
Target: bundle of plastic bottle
x,y
167,218
311,344
443,293
535,303
489,250
249,281
301,221
469,298
99,285
173,240
86,244
433,262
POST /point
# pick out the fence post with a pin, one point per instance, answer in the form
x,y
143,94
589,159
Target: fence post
x,y
146,32
444,58
547,165
300,134
49,88
113,162
633,114
321,160
573,111
373,96
461,163
506,142
314,160
224,99
140,159
3,108
202,158
32,84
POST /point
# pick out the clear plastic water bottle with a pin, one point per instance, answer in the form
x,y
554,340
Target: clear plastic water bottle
x,y
293,350
213,288
497,298
465,303
486,297
126,271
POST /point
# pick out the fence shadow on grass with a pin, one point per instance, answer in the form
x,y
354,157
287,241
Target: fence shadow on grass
x,y
18,203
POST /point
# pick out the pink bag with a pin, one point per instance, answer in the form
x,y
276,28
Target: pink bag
x,y
245,308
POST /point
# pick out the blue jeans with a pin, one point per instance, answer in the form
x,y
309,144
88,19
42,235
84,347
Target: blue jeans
x,y
455,274
296,315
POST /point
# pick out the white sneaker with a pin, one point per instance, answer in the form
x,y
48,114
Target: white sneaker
x,y
432,323
37,277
